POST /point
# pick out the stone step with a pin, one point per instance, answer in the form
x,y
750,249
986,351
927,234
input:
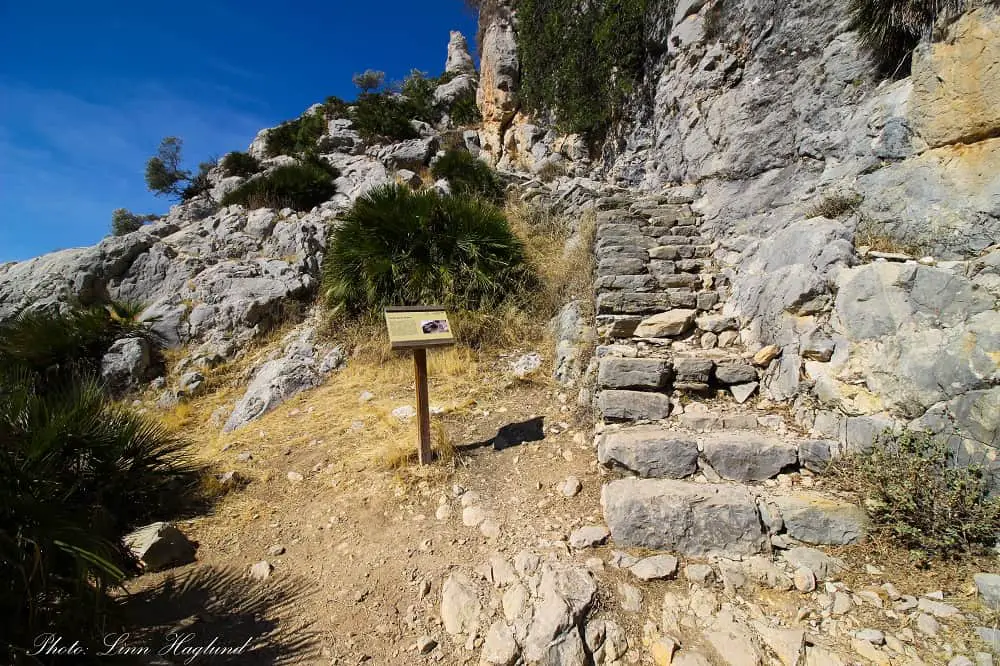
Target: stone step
x,y
687,518
731,519
675,252
635,283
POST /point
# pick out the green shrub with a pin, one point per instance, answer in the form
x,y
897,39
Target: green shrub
x,y
464,110
891,29
299,186
397,247
199,183
295,137
124,221
418,97
383,117
240,164
76,473
334,107
369,81
580,62
917,498
468,175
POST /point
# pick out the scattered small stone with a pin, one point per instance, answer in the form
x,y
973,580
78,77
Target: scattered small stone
x,y
469,498
425,644
443,512
571,486
870,652
631,597
927,625
873,636
871,597
404,413
905,603
655,567
586,537
842,603
701,574
472,516
622,560
243,457
261,570
804,579
294,477
767,354
662,651
527,365
276,550
937,608
742,392
891,591
366,396
490,528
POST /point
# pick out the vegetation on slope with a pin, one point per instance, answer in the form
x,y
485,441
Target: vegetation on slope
x,y
398,247
580,60
468,175
298,186
891,29
77,472
918,498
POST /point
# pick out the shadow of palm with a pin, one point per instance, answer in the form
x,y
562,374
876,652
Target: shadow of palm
x,y
209,603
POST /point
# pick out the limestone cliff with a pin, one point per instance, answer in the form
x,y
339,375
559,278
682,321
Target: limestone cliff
x,y
802,160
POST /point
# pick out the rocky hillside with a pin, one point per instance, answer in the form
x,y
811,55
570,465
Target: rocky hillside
x,y
792,254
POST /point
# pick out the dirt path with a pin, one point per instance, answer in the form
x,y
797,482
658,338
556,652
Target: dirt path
x,y
363,549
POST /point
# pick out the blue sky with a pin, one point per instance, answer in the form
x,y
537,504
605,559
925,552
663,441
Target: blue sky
x,y
87,90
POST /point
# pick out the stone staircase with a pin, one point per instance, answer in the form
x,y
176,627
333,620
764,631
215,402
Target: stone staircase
x,y
706,472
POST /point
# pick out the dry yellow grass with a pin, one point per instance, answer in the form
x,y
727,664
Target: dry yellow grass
x,y
365,434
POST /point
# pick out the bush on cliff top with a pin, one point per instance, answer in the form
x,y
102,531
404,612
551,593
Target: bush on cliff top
x,y
299,186
891,29
398,247
580,62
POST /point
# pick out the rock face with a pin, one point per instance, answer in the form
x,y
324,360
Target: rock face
x,y
126,364
459,61
301,366
499,77
955,96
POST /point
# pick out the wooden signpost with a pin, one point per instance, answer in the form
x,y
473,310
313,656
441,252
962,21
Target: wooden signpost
x,y
417,328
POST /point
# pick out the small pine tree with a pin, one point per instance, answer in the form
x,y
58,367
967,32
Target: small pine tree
x,y
164,176
369,81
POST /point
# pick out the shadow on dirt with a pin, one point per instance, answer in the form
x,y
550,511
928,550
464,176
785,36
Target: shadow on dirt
x,y
511,435
248,622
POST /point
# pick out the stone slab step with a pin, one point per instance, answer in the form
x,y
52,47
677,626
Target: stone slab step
x,y
649,451
686,518
700,519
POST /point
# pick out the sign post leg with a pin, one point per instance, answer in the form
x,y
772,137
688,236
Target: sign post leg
x,y
423,405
